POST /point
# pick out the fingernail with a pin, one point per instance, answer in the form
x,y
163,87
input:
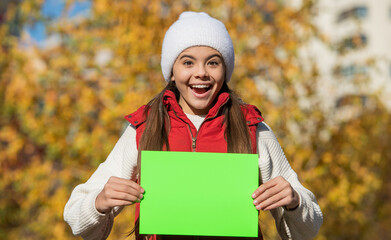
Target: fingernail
x,y
253,196
255,202
141,196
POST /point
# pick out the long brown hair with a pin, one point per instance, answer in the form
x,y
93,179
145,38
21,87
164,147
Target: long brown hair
x,y
157,127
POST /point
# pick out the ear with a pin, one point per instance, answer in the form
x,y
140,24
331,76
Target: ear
x,y
172,78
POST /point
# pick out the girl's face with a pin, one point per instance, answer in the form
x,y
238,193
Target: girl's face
x,y
199,74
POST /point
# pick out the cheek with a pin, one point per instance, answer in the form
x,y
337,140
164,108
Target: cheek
x,y
218,72
219,76
183,75
176,70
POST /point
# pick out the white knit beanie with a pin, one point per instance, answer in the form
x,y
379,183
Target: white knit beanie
x,y
196,29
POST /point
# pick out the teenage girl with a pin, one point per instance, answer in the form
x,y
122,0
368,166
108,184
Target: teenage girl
x,y
195,109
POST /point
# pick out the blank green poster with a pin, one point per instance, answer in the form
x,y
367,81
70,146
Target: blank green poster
x,y
194,193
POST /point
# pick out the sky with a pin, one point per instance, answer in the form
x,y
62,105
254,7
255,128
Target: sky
x,y
53,9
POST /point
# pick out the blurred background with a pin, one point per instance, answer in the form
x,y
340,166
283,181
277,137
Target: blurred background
x,y
320,72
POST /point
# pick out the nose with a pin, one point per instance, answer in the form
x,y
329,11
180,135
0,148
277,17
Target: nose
x,y
201,72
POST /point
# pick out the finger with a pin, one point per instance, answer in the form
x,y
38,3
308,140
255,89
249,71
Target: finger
x,y
282,202
268,193
275,205
127,182
263,188
268,198
123,195
281,199
269,184
274,201
109,198
119,187
118,202
131,184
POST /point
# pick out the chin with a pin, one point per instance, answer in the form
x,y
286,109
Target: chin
x,y
201,107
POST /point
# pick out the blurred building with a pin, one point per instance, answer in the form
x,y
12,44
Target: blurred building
x,y
356,64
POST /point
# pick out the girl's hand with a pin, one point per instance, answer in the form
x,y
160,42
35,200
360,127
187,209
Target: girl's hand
x,y
275,193
118,192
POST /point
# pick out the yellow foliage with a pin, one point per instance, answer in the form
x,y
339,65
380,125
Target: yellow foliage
x,y
61,111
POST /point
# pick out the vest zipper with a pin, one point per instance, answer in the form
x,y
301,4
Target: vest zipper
x,y
210,118
193,145
194,139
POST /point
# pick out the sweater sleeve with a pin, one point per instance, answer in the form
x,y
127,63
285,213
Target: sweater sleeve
x,y
80,212
303,222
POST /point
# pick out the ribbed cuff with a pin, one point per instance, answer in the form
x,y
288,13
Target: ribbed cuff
x,y
88,210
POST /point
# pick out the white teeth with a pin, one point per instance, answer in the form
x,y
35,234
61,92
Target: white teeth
x,y
200,86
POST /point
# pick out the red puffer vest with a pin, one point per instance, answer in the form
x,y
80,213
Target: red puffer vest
x,y
184,137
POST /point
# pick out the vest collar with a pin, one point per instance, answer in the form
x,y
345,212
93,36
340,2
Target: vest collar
x,y
251,113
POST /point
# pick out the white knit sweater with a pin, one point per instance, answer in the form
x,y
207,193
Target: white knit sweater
x,y
80,213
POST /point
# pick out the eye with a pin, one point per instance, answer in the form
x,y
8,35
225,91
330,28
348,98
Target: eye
x,y
188,63
214,63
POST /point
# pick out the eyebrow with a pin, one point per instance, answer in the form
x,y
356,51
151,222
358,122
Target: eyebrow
x,y
209,57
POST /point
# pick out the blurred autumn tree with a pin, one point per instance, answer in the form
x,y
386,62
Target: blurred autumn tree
x,y
62,108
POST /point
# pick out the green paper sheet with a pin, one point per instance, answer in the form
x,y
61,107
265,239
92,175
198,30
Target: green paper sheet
x,y
194,193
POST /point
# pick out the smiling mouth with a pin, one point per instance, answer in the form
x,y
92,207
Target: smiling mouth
x,y
200,88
